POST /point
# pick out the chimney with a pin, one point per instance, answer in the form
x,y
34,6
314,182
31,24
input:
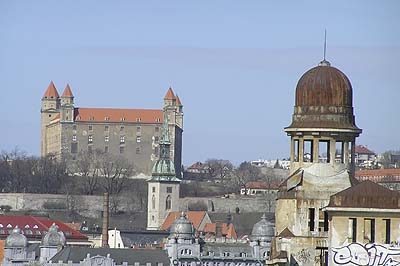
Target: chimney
x,y
104,233
218,229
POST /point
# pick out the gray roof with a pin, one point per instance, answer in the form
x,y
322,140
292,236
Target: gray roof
x,y
243,222
16,239
142,238
77,254
233,248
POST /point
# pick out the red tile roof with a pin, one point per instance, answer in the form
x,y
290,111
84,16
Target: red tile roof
x,y
379,175
363,150
170,94
38,226
197,166
118,115
196,217
178,101
67,92
51,92
227,229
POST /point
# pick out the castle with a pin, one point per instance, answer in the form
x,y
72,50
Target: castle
x,y
134,134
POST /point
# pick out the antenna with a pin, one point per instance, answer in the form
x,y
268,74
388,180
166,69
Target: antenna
x,y
325,46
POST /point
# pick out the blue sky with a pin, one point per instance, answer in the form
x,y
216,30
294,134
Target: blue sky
x,y
234,64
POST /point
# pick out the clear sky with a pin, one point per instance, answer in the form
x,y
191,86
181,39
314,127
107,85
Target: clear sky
x,y
234,65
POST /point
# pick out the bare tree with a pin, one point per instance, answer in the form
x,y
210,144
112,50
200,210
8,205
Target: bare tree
x,y
114,171
50,173
246,172
218,168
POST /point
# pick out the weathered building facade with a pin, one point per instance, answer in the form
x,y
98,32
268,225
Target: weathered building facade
x,y
131,133
323,134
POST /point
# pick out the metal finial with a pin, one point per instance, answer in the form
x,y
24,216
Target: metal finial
x,y
325,47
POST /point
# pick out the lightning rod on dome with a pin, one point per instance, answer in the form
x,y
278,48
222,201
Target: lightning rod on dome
x,y
325,47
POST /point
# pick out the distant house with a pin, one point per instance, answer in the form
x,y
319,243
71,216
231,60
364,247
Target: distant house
x,y
197,171
363,156
259,188
219,230
389,178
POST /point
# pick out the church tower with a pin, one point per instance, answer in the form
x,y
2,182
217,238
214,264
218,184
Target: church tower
x,y
163,187
322,136
49,111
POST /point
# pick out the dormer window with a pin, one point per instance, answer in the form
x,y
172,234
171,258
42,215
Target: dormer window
x,y
158,120
122,118
138,119
107,118
91,118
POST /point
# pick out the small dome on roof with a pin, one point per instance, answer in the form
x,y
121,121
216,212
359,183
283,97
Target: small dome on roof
x,y
16,239
54,237
182,228
262,230
324,99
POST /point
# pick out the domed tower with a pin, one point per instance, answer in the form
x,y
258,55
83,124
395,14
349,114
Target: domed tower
x,y
52,242
323,133
15,248
182,240
323,128
163,186
261,236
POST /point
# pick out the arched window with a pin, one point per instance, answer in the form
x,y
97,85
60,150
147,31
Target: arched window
x,y
153,202
168,202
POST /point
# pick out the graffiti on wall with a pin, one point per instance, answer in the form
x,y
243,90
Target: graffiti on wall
x,y
366,254
303,256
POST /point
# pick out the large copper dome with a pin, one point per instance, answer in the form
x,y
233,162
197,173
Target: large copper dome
x,y
324,99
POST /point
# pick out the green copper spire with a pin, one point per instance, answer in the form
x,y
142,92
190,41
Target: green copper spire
x,y
164,169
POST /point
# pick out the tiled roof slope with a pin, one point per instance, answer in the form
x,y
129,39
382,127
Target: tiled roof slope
x,y
170,94
228,230
379,175
51,91
35,227
363,150
366,195
118,115
67,92
196,217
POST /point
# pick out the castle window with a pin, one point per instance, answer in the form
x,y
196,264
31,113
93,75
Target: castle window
x,y
49,115
90,149
138,150
74,127
156,129
168,203
121,149
106,149
106,128
153,189
153,201
138,139
169,189
138,129
369,230
323,151
308,151
90,127
106,138
152,218
387,231
122,128
158,120
90,139
121,139
352,230
156,139
73,137
339,148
